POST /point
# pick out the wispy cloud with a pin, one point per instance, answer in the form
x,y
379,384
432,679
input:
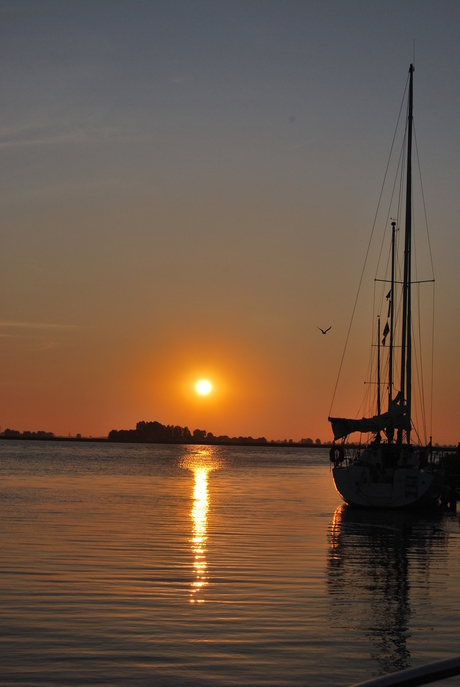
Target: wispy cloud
x,y
40,138
15,336
36,336
59,134
38,325
47,346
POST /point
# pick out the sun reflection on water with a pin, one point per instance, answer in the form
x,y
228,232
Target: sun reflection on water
x,y
201,462
200,517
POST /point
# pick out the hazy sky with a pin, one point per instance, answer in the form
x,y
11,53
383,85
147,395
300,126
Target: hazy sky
x,y
187,191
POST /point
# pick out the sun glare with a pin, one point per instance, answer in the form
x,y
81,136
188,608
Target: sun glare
x,y
203,387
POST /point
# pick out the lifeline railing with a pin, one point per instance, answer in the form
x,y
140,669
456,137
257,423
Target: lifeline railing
x,y
423,675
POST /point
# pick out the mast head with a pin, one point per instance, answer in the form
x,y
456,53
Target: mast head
x,y
411,69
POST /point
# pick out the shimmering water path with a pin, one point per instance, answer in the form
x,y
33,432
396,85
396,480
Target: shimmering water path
x,y
156,565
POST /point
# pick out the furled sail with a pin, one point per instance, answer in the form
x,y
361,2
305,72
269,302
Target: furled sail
x,y
395,418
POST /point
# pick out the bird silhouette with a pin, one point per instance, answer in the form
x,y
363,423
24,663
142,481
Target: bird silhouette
x,y
324,331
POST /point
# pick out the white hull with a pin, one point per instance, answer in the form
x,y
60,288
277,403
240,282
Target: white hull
x,y
402,488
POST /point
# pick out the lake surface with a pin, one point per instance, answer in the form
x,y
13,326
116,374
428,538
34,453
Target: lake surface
x,y
189,565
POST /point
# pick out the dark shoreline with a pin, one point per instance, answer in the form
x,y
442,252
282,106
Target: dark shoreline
x,y
260,444
236,442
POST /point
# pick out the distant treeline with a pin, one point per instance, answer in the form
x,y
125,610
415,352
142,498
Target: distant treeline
x,y
14,433
156,433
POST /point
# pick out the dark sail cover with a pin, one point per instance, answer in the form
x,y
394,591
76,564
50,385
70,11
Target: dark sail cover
x,y
393,419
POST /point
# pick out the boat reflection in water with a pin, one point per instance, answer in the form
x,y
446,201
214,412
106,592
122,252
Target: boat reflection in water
x,y
377,562
201,461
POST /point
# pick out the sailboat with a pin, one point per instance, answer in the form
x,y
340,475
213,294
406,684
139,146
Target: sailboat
x,y
390,471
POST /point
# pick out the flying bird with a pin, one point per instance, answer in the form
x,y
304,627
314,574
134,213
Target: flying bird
x,y
324,331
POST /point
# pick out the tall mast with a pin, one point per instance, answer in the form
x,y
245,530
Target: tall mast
x,y
390,431
406,342
378,367
392,310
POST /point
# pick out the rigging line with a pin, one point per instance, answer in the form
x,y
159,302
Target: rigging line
x,y
368,249
398,175
419,365
371,364
414,429
432,363
424,205
434,284
365,406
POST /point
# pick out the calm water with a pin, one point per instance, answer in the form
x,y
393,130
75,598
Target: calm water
x,y
155,565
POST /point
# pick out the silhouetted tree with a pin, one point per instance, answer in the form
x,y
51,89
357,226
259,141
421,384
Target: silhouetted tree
x,y
199,435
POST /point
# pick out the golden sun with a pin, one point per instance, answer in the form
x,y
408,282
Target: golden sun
x,y
203,387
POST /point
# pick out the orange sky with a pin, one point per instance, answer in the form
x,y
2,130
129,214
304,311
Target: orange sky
x,y
188,191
